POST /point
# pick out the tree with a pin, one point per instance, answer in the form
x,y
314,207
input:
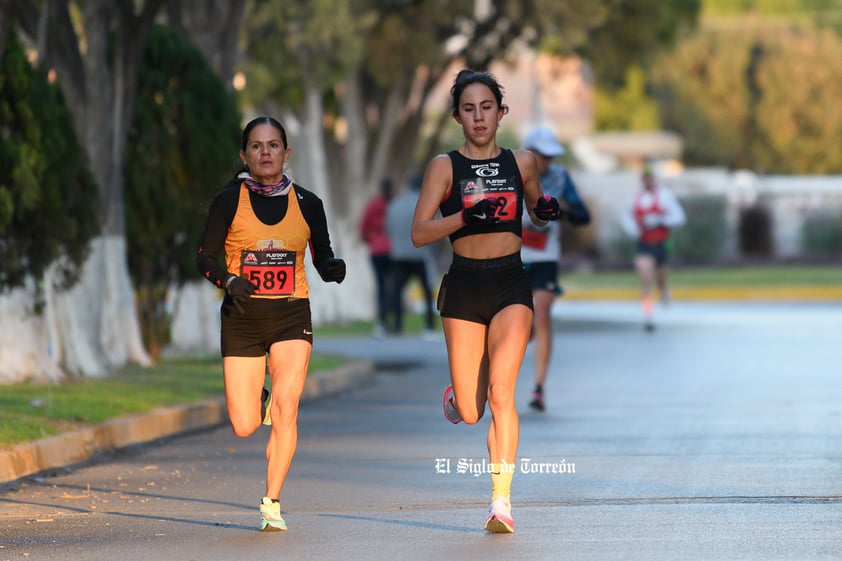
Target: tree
x,y
627,108
6,19
94,48
47,193
765,99
47,196
352,78
621,51
631,33
183,144
213,28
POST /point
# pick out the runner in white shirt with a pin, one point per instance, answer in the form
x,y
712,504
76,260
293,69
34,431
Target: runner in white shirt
x,y
541,250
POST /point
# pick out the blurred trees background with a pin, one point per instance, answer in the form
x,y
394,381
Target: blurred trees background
x,y
352,80
755,96
181,147
94,50
47,195
158,126
753,86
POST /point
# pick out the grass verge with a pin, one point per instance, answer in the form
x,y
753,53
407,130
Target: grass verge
x,y
32,411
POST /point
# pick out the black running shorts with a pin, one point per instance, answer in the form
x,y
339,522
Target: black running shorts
x,y
543,275
656,250
264,321
476,289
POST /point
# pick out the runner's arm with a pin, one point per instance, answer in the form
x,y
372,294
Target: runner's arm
x,y
673,213
313,210
578,213
427,228
209,260
529,174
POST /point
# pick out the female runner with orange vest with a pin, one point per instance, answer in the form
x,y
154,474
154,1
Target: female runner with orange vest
x,y
262,223
649,217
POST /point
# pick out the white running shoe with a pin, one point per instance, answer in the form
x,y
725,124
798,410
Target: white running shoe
x,y
500,517
451,413
270,516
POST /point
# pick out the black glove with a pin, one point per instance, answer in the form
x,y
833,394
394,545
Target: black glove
x,y
240,290
333,270
547,208
484,211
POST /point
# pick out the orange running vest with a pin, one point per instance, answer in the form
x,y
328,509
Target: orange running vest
x,y
270,256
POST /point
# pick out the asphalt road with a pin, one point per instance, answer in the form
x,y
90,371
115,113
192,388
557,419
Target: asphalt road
x,y
716,437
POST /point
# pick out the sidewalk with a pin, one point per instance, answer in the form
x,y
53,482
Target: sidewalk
x,y
76,447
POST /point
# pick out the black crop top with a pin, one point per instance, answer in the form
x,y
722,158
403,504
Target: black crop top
x,y
479,179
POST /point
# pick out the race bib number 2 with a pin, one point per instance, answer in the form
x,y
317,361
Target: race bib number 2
x,y
272,272
502,189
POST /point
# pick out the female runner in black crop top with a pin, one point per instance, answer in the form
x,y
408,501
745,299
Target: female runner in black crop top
x,y
485,299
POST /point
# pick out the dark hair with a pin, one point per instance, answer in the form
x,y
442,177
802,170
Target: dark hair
x,y
263,121
467,77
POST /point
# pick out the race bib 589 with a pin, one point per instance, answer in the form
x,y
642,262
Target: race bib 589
x,y
272,272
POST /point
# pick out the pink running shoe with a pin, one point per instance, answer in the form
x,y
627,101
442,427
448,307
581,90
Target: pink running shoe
x,y
451,413
500,517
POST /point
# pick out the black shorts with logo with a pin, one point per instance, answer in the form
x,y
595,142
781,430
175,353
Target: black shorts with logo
x,y
476,289
263,321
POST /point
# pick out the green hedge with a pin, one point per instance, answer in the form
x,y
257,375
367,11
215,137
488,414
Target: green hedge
x,y
701,240
821,234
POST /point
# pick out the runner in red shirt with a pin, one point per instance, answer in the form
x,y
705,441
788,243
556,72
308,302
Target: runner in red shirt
x,y
650,215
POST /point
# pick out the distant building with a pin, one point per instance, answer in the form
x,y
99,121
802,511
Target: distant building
x,y
607,151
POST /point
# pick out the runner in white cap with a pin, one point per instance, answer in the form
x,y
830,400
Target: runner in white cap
x,y
541,251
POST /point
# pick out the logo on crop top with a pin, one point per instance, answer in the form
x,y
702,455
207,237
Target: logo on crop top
x,y
487,170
